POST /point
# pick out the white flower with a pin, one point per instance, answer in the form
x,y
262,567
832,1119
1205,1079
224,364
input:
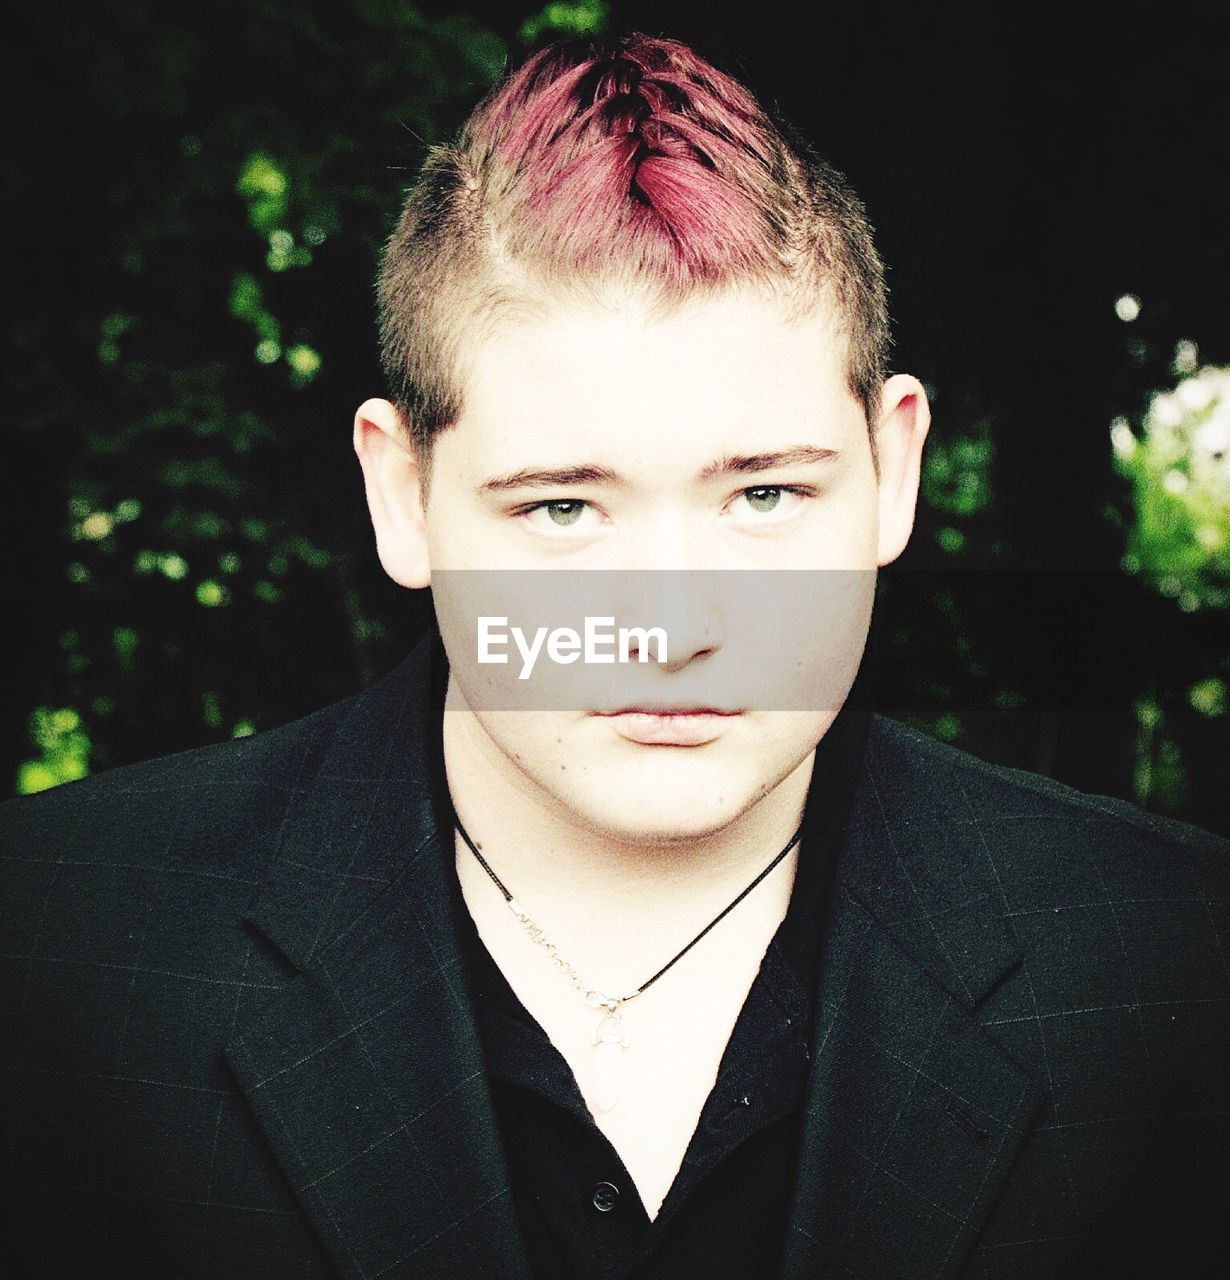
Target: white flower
x,y
1165,411
1210,452
1121,438
1211,439
1195,394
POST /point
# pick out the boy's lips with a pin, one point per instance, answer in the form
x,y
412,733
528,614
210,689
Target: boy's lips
x,y
669,726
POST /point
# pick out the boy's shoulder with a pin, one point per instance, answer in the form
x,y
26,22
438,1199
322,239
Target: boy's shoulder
x,y
987,786
152,865
244,786
197,785
1040,838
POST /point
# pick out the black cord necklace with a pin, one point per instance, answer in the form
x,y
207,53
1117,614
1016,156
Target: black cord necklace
x,y
610,1036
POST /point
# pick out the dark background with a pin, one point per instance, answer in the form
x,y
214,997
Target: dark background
x,y
189,551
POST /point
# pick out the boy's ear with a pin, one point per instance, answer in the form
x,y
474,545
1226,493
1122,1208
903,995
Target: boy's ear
x,y
900,432
393,480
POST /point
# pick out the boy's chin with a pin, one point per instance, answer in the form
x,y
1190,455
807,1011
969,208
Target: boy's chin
x,y
650,815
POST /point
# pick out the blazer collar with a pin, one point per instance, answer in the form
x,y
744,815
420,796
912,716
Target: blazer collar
x,y
365,1071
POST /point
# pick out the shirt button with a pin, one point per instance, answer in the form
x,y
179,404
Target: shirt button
x,y
606,1196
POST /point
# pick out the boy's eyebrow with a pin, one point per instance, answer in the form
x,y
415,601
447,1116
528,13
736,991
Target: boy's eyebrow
x,y
592,473
742,463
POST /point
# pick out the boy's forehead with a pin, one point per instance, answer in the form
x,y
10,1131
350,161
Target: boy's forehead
x,y
726,367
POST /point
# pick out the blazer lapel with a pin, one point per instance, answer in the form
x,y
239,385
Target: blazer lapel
x,y
365,1071
914,1113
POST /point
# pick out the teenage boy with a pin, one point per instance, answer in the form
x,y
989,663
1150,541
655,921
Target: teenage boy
x,y
638,976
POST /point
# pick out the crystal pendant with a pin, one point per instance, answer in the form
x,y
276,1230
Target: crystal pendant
x,y
611,1038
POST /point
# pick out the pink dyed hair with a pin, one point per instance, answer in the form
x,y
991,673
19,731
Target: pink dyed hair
x,y
631,161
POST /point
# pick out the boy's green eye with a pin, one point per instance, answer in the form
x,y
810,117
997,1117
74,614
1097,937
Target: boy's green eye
x,y
562,512
766,495
770,499
565,512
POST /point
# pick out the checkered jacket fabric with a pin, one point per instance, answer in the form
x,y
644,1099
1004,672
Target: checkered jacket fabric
x,y
235,1039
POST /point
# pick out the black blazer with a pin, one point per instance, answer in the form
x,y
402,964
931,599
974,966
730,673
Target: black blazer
x,y
236,1041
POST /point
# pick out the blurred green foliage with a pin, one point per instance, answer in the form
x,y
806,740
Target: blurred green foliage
x,y
1179,471
956,482
586,18
1178,540
64,750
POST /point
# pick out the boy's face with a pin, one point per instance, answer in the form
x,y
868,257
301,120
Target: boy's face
x,y
650,416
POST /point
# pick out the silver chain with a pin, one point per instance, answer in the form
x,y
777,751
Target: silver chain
x,y
593,997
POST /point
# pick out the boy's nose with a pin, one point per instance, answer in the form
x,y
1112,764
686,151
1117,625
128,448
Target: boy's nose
x,y
686,605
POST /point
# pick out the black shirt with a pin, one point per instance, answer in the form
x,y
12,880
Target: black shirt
x,y
725,1215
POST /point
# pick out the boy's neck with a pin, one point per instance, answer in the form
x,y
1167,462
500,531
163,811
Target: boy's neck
x,y
548,858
